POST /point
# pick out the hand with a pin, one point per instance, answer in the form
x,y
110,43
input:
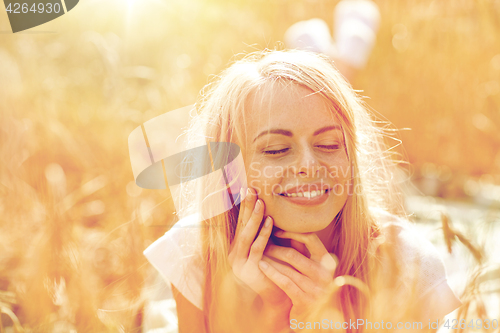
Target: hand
x,y
246,252
307,280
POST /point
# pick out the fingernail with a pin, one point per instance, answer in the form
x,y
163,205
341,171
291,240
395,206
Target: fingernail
x,y
249,191
278,233
263,265
268,222
258,206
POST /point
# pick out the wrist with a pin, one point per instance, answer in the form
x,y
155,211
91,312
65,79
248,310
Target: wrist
x,y
276,317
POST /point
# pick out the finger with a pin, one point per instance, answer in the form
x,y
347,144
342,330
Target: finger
x,y
294,258
246,208
247,235
240,215
282,281
259,245
232,251
303,282
243,194
250,202
310,240
300,247
330,262
320,256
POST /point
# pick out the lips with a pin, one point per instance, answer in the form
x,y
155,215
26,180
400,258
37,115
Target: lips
x,y
308,194
306,190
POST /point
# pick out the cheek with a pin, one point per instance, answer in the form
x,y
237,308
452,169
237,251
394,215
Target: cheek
x,y
340,175
264,178
338,167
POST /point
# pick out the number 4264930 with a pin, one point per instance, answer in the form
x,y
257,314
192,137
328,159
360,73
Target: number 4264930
x,y
474,324
24,8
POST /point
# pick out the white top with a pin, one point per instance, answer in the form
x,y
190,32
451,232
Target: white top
x,y
177,257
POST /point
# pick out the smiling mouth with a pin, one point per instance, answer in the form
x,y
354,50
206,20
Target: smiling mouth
x,y
305,194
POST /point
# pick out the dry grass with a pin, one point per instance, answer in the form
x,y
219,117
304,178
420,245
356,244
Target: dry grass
x,y
73,226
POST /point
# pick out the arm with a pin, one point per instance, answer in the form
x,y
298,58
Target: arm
x,y
190,318
270,312
438,303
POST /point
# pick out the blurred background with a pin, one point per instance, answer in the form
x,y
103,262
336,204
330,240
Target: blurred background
x,y
73,224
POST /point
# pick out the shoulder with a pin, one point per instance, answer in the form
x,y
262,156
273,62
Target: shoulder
x,y
177,257
415,256
403,250
184,236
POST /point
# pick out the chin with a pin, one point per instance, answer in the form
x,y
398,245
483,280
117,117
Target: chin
x,y
301,226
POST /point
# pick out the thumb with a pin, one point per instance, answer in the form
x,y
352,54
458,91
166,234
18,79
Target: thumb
x,y
300,247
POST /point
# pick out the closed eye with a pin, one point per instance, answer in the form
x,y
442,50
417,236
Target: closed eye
x,y
329,147
281,151
275,152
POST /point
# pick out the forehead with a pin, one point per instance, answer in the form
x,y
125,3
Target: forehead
x,y
288,106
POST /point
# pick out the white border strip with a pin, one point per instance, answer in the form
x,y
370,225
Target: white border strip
x,y
64,6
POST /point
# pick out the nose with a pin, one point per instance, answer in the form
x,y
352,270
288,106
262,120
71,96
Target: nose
x,y
307,164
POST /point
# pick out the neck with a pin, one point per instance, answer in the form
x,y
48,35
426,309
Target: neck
x,y
326,236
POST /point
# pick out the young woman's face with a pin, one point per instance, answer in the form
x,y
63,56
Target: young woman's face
x,y
295,157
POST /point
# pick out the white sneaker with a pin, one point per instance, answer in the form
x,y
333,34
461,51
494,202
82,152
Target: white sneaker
x,y
312,35
356,24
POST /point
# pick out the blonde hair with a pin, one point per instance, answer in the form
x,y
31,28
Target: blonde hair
x,y
220,118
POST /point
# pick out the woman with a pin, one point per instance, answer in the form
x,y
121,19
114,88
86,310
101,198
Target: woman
x,y
319,183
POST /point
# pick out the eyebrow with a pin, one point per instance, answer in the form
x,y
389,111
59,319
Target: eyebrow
x,y
326,129
290,134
